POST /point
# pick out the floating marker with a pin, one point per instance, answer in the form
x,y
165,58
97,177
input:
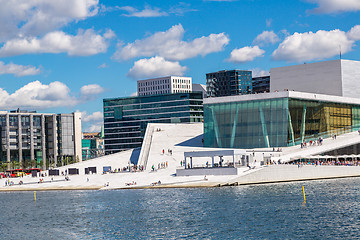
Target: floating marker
x,y
304,194
34,196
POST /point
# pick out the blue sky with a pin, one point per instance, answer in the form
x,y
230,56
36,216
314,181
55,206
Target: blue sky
x,y
65,56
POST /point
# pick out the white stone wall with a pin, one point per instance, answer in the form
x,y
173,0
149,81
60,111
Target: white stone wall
x,y
320,77
351,78
288,173
77,135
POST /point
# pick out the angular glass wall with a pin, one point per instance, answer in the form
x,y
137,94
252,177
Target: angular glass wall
x,y
313,119
247,124
276,122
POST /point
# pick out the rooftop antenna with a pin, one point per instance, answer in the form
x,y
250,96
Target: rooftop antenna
x,y
340,51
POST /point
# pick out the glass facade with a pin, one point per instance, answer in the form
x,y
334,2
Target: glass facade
x,y
125,119
261,84
227,83
277,122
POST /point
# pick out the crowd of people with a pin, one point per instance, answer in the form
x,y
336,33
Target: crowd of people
x,y
161,165
134,168
317,142
328,162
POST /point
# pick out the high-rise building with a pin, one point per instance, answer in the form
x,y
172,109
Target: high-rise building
x,y
228,83
125,119
164,85
41,139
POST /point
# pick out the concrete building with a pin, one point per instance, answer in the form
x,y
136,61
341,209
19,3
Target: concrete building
x,y
126,119
277,119
337,77
228,83
41,139
164,85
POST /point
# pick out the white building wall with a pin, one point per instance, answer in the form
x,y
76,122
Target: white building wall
x,y
320,77
77,135
350,78
181,84
164,85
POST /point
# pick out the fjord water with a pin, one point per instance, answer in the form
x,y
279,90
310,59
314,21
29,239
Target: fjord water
x,y
272,211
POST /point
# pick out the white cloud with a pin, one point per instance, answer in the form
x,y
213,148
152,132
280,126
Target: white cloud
x,y
91,89
85,43
29,18
104,65
36,95
257,72
354,33
245,54
96,127
181,8
134,94
170,46
18,70
147,12
155,67
95,116
309,46
92,122
266,37
335,6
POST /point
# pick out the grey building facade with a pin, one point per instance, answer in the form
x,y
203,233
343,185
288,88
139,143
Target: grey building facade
x,y
337,77
39,139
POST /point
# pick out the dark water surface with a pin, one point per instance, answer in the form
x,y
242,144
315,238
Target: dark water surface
x,y
273,211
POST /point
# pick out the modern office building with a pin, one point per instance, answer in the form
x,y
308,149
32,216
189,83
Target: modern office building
x,y
337,77
164,85
277,119
261,84
125,119
228,83
41,139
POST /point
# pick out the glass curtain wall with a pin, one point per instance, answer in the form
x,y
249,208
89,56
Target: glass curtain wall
x,y
313,119
125,119
276,122
248,124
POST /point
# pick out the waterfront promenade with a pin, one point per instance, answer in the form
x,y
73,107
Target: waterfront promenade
x,y
166,152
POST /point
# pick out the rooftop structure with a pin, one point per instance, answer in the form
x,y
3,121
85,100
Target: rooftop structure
x,y
277,119
199,88
337,77
164,85
125,119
